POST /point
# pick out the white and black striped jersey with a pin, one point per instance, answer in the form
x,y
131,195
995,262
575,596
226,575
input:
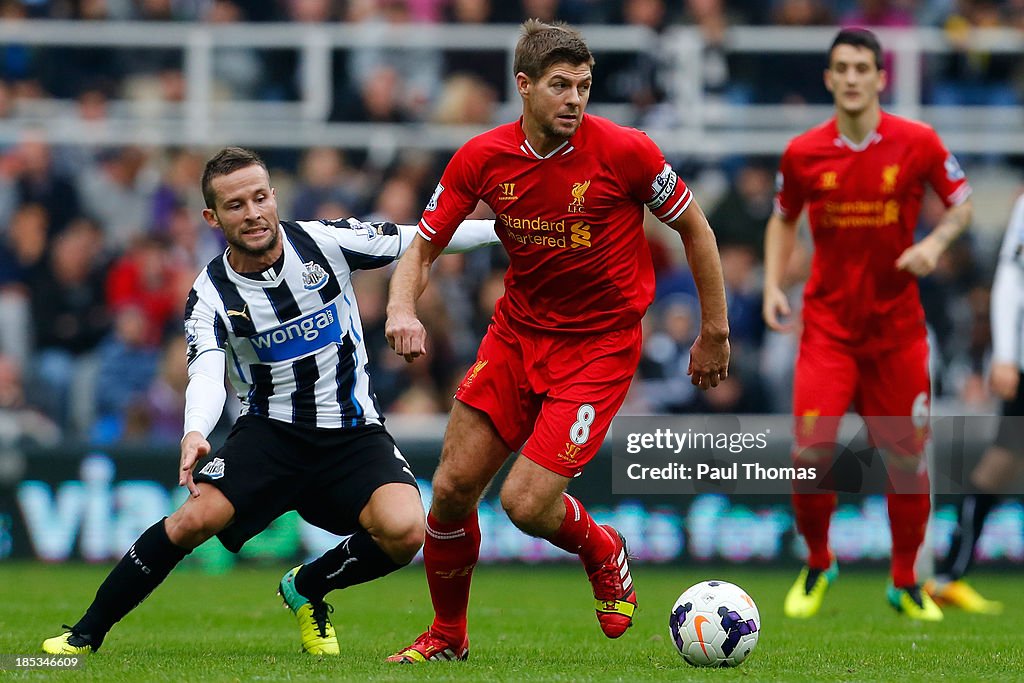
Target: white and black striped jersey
x,y
294,341
1007,309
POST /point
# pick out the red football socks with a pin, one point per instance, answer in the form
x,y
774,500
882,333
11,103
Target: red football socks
x,y
581,535
909,507
813,513
908,519
450,551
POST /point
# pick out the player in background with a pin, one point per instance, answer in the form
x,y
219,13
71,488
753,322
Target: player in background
x,y
278,312
568,190
862,175
1002,461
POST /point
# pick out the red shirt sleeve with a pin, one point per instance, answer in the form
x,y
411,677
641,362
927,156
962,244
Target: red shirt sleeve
x,y
652,180
789,196
454,198
944,172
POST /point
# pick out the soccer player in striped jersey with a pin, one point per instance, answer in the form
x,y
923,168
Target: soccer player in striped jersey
x,y
569,191
862,175
277,311
1002,461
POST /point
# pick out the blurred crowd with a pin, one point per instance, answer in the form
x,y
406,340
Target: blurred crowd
x,y
453,85
98,253
98,247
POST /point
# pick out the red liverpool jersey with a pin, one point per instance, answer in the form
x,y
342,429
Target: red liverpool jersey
x,y
863,203
571,221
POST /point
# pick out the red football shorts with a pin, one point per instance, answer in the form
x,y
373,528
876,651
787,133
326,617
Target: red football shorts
x,y
557,393
892,386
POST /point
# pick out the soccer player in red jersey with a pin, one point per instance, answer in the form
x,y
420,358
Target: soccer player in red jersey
x,y
569,191
862,175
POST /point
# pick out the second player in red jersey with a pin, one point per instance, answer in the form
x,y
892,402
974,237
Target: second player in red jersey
x,y
863,199
569,192
862,176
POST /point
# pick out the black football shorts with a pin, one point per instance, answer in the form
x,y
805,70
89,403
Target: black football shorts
x,y
268,467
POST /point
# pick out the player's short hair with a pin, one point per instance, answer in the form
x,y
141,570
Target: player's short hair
x,y
225,162
542,45
858,37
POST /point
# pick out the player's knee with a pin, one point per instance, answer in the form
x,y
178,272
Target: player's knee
x,y
523,509
402,538
191,526
997,467
813,455
903,462
454,496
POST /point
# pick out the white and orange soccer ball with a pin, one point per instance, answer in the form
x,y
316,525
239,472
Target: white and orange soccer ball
x,y
714,623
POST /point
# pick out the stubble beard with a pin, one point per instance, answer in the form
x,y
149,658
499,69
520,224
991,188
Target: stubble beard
x,y
242,248
559,133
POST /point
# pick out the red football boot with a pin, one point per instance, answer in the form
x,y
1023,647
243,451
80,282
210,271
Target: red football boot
x,y
613,589
430,648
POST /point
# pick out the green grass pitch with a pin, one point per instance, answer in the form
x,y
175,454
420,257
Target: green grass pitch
x,y
527,623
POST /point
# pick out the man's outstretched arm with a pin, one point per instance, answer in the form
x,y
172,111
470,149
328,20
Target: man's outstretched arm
x,y
921,258
403,329
472,234
779,242
204,402
709,355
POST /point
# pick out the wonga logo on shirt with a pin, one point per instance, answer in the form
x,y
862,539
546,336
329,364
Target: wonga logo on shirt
x,y
298,337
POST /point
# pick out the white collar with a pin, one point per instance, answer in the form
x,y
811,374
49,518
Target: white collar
x,y
871,138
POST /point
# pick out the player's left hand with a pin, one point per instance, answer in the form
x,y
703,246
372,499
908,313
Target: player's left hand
x,y
194,447
709,361
405,334
920,259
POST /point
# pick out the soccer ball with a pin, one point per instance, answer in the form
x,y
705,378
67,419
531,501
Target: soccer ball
x,y
714,623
